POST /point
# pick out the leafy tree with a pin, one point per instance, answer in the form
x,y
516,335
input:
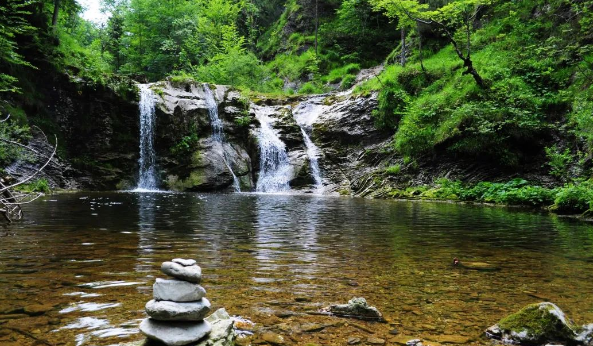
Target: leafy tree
x,y
12,23
455,19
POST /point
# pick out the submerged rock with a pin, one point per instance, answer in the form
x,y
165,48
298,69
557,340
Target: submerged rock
x,y
356,308
177,291
535,324
191,273
480,266
173,311
181,333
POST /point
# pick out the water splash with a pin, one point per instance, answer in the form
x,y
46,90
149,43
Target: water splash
x,y
274,167
218,131
147,180
305,114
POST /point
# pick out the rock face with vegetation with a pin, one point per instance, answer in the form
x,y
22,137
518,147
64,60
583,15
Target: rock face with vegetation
x,y
502,116
539,324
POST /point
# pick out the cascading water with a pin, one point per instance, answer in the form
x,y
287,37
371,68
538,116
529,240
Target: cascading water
x,y
147,180
274,167
218,131
305,115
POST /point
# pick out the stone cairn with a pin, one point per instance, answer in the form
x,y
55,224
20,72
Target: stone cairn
x,y
179,306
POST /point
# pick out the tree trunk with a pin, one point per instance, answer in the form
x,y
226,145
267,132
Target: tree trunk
x,y
420,48
467,62
54,20
402,56
316,24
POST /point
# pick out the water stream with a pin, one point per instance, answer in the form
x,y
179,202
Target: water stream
x,y
305,114
274,167
147,177
218,131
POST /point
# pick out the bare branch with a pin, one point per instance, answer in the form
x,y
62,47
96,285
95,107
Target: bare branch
x,y
5,120
36,172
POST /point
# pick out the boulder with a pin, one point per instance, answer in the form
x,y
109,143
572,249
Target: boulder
x,y
535,324
172,311
177,334
223,333
190,273
357,308
177,291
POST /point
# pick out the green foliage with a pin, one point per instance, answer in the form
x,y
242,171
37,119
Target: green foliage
x,y
559,161
393,170
392,106
574,198
310,88
15,129
13,22
243,121
38,185
186,146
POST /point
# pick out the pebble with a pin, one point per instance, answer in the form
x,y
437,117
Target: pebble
x,y
353,341
312,327
375,341
273,338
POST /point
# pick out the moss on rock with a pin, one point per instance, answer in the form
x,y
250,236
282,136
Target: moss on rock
x,y
538,324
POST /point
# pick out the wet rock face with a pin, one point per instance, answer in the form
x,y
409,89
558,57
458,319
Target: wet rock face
x,y
189,156
98,130
341,125
536,324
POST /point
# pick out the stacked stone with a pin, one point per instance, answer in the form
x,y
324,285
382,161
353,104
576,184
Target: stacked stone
x,y
179,306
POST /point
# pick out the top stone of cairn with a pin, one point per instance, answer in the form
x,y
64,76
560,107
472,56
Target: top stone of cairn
x,y
182,269
184,262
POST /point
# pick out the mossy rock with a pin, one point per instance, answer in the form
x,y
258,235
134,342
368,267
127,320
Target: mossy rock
x,y
536,324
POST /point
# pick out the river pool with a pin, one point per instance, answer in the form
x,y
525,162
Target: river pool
x,y
80,267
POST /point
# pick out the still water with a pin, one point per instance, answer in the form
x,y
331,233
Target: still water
x,y
79,269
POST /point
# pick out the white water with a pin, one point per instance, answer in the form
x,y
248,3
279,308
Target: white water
x,y
218,131
274,167
147,180
305,114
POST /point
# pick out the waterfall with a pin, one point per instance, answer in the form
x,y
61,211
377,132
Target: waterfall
x,y
218,131
305,114
274,167
147,179
313,153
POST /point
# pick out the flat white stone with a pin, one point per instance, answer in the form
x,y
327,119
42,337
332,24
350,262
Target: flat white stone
x,y
176,333
177,291
173,311
191,273
184,262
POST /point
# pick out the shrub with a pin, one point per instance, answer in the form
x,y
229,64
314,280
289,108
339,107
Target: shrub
x,y
347,81
310,88
574,198
558,161
392,105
